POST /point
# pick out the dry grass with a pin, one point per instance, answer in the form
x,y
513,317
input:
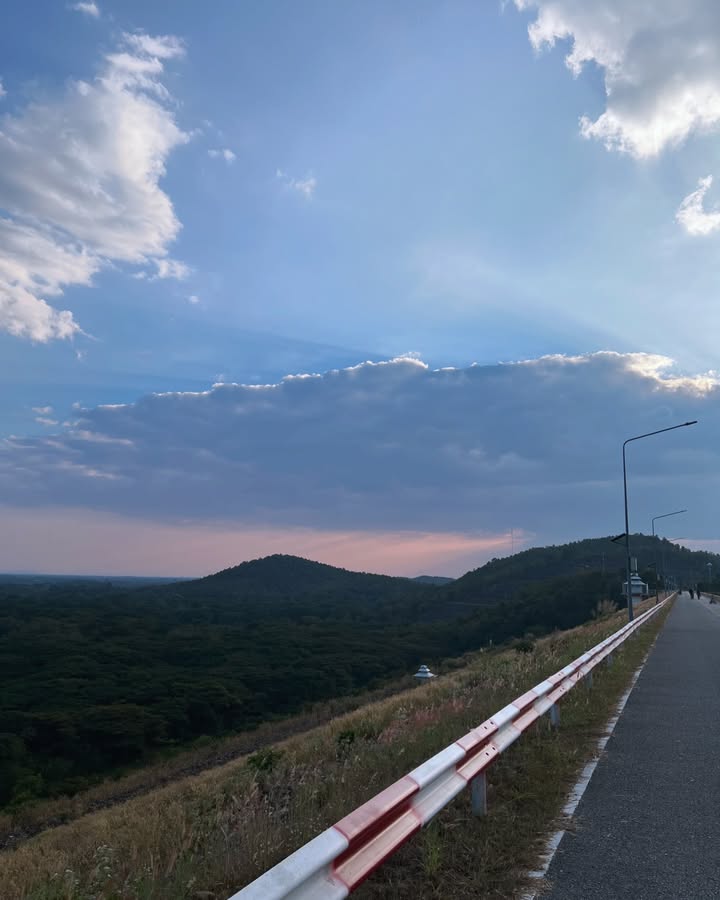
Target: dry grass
x,y
206,836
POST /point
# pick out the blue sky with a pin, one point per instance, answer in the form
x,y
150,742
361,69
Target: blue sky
x,y
270,189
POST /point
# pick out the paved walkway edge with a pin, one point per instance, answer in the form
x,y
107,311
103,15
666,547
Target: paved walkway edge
x,y
578,789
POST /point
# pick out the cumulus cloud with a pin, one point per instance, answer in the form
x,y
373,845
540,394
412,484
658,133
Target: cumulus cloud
x,y
305,186
392,446
661,64
42,410
80,185
692,214
225,154
88,8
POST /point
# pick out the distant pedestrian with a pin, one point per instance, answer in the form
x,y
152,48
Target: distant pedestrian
x,y
692,594
698,593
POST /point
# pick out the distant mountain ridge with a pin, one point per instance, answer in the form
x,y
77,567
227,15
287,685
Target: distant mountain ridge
x,y
299,584
124,581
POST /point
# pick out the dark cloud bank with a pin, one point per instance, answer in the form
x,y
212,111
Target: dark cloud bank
x,y
394,445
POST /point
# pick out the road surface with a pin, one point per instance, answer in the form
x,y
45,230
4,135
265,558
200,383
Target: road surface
x,y
648,825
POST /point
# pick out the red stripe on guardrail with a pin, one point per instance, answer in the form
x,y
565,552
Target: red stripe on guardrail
x,y
375,830
525,700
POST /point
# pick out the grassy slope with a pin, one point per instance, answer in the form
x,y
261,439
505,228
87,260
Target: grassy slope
x,y
216,831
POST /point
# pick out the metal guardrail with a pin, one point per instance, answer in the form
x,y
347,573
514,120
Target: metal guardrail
x,y
336,862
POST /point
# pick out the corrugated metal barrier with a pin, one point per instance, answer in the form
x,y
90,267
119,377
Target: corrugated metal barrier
x,y
336,862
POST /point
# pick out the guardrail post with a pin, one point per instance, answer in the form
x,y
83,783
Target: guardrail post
x,y
478,793
589,679
554,715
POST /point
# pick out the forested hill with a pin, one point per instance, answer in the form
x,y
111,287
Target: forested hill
x,y
292,577
282,586
500,579
96,677
290,583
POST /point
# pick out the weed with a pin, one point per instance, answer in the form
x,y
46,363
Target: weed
x,y
604,609
432,851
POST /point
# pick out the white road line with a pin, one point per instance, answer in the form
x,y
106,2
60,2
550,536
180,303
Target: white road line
x,y
581,784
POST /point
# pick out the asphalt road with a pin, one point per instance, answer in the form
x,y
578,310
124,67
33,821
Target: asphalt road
x,y
648,825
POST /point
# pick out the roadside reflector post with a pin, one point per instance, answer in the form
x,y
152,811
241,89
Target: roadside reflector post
x,y
554,715
478,793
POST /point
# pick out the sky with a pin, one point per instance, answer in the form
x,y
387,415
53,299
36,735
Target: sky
x,y
384,285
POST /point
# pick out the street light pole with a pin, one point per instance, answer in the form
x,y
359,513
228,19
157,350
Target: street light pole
x,y
663,516
627,524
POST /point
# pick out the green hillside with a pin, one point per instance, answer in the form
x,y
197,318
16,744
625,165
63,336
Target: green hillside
x,y
96,679
500,579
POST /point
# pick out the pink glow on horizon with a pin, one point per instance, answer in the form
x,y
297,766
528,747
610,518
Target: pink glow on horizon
x,y
78,542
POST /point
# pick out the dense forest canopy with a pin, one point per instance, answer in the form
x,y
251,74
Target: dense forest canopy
x,y
97,677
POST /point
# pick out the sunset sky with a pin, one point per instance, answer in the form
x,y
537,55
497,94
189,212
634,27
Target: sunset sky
x,y
381,284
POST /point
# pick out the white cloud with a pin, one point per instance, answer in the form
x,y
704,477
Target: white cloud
x,y
42,410
3,92
194,299
160,46
89,8
305,186
172,268
531,445
36,264
660,60
225,154
692,215
44,420
80,186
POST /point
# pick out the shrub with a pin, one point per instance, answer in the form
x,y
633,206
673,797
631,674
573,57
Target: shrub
x,y
264,760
